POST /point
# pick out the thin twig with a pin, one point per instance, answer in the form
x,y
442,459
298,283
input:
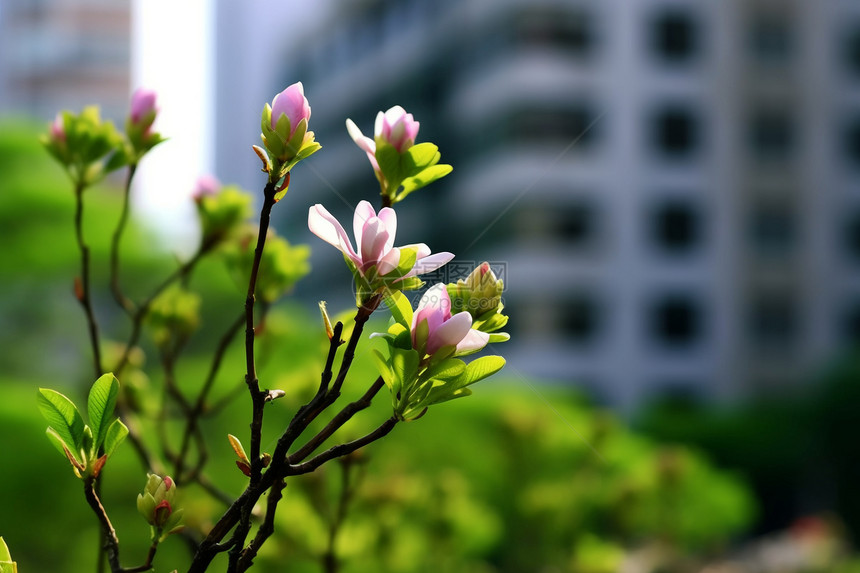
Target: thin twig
x,y
123,301
82,290
267,528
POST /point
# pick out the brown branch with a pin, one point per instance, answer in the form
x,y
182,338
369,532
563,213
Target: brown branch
x,y
267,528
337,421
111,542
342,449
82,286
123,301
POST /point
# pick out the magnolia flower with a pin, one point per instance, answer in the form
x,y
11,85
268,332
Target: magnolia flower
x,y
395,127
374,238
205,186
143,108
292,103
442,328
58,128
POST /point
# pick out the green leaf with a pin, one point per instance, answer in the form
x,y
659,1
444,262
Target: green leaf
x,y
4,551
62,416
8,567
400,308
499,337
100,406
419,157
58,442
384,369
445,370
404,364
389,161
480,368
116,433
422,179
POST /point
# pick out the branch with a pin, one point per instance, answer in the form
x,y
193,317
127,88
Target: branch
x,y
267,528
115,288
337,421
82,286
342,449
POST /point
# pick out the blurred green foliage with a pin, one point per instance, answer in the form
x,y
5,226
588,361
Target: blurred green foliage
x,y
498,483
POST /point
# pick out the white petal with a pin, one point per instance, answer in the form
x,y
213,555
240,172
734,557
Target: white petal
x,y
377,126
389,219
450,333
326,227
389,261
363,213
429,264
474,340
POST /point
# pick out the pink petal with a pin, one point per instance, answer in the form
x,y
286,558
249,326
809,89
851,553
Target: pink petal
x,y
292,103
389,261
474,340
429,264
389,219
363,213
142,102
361,140
450,333
326,227
373,240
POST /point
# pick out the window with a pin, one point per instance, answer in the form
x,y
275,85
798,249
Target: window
x,y
570,30
675,36
852,236
771,134
572,224
851,51
773,229
676,226
676,320
676,131
544,124
579,317
770,38
851,142
773,321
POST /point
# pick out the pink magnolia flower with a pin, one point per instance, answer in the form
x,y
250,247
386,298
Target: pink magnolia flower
x,y
442,328
374,238
292,103
58,128
142,105
206,185
394,126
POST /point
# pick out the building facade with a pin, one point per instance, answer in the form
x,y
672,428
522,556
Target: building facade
x,y
669,185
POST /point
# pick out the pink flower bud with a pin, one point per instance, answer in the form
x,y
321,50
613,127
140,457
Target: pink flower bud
x,y
142,106
292,103
58,128
397,128
206,185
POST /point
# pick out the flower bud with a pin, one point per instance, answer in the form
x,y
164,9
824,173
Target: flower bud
x,y
397,128
292,103
138,124
143,109
481,290
156,505
205,186
285,134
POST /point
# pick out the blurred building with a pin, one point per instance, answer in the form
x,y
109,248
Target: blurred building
x,y
64,54
670,185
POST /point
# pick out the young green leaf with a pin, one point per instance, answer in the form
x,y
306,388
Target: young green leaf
x,y
480,368
4,551
114,436
100,406
237,447
400,308
62,416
